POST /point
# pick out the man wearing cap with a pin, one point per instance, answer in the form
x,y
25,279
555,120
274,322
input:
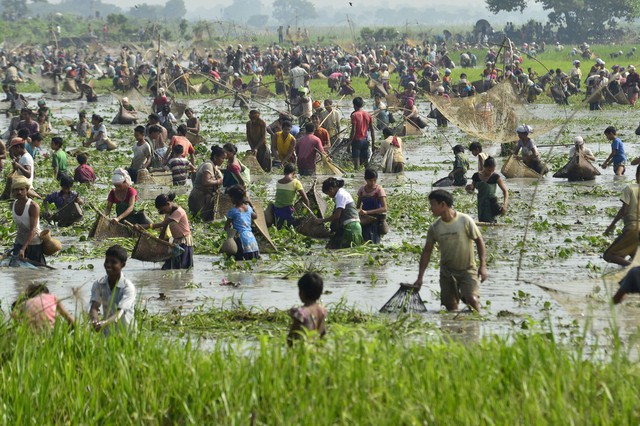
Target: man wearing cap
x,y
627,243
579,148
530,154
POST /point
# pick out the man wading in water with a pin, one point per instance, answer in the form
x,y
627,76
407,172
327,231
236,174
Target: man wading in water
x,y
454,232
627,243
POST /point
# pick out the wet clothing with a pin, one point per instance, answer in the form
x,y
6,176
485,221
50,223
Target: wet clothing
x,y
121,298
283,145
455,241
23,229
283,204
84,173
306,149
59,199
179,167
371,200
488,206
305,317
201,198
626,243
26,160
40,311
392,147
181,233
460,167
361,122
135,217
246,241
620,158
348,230
59,160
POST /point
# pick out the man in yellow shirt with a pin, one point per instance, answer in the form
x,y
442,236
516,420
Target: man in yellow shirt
x,y
283,144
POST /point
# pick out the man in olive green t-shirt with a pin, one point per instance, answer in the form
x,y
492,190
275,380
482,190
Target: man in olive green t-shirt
x,y
455,233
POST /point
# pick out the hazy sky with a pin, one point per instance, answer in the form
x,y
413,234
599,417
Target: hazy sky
x,y
208,4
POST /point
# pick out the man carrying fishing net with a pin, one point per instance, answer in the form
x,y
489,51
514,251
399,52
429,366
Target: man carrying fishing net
x,y
455,233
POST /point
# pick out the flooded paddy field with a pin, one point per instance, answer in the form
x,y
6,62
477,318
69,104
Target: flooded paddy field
x,y
555,279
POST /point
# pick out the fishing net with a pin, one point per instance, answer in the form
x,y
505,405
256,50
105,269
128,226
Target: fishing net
x,y
406,300
492,115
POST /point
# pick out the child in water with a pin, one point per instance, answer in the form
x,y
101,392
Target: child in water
x,y
310,316
39,308
240,217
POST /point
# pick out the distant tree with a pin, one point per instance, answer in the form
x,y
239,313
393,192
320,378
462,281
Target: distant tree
x,y
174,9
146,11
577,18
17,8
288,10
237,11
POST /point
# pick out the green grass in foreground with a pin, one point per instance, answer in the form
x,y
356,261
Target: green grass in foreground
x,y
350,378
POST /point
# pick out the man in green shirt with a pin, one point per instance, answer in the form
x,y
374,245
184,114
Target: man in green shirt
x,y
59,158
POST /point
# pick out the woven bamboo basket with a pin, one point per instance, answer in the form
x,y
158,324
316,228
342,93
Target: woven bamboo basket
x,y
204,89
150,248
261,231
124,117
316,202
411,130
263,92
222,205
103,229
195,139
252,163
155,178
366,219
69,85
443,183
177,108
68,215
310,228
578,168
514,168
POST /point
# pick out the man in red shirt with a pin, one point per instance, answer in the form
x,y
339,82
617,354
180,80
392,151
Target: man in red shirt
x,y
361,122
306,149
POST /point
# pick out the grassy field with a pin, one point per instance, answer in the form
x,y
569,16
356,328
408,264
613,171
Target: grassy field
x,y
354,377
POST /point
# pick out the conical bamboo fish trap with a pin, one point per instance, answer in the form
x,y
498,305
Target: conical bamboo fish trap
x,y
150,248
68,215
514,168
261,231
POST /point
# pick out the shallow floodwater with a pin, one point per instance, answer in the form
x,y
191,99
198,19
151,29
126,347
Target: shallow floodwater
x,y
547,285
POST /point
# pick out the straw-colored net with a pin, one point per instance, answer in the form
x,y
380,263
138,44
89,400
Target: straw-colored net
x,y
492,115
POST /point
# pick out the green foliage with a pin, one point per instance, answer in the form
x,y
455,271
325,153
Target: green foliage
x,y
359,374
285,10
379,34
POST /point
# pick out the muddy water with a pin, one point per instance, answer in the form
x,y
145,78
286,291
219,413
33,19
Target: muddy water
x,y
545,284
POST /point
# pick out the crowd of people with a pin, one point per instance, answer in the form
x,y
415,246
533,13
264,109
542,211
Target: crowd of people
x,y
295,144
